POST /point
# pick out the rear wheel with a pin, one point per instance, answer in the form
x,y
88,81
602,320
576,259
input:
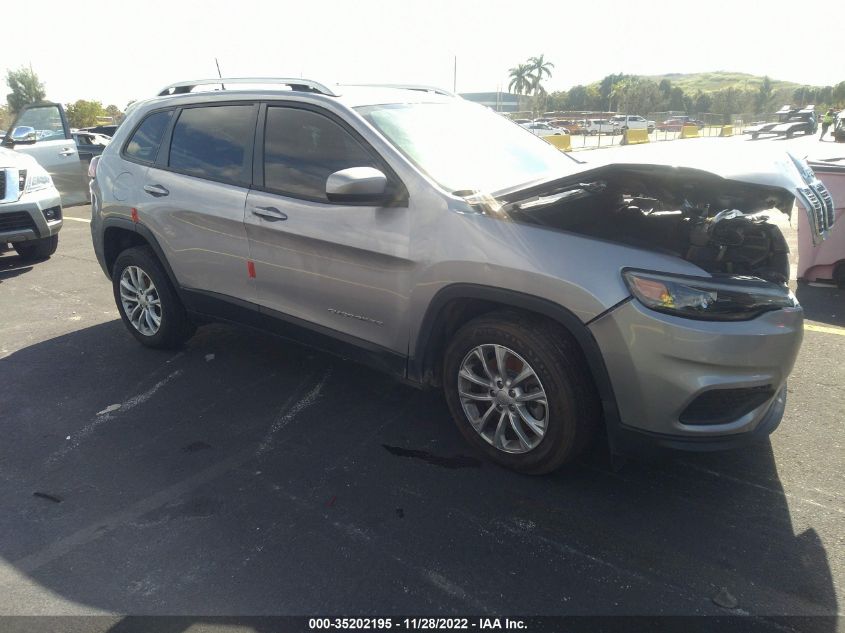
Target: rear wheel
x,y
147,302
35,250
519,391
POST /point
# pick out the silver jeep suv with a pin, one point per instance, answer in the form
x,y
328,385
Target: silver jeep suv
x,y
435,240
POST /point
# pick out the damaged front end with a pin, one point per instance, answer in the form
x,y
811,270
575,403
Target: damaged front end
x,y
719,224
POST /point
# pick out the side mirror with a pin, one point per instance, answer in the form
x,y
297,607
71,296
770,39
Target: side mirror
x,y
357,185
23,135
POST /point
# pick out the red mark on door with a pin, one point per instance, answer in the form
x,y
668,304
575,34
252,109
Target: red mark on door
x,y
250,268
135,215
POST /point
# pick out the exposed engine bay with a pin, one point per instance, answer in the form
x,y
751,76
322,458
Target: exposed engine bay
x,y
712,222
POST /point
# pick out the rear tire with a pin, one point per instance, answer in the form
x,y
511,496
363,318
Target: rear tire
x,y
140,283
571,411
36,250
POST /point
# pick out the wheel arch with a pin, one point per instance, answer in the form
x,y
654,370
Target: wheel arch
x,y
456,304
120,234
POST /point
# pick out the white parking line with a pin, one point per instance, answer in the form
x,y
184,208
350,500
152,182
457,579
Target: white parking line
x,y
87,221
107,414
812,327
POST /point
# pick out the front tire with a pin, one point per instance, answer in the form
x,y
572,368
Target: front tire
x,y
519,390
37,250
148,304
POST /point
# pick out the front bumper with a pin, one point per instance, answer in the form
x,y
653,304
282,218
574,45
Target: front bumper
x,y
25,219
660,365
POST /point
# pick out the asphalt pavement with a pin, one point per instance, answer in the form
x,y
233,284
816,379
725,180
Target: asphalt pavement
x,y
245,475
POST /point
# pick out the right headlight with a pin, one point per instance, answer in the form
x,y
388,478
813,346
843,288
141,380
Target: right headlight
x,y
708,298
37,178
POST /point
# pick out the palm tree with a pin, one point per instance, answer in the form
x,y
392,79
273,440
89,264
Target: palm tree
x,y
539,69
521,80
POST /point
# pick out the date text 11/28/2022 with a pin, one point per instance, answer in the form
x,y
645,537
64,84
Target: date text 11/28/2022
x,y
412,624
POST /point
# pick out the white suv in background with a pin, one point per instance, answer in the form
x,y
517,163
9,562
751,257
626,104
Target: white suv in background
x,y
30,206
632,122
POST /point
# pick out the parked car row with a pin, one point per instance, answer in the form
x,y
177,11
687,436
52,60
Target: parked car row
x,y
614,125
675,123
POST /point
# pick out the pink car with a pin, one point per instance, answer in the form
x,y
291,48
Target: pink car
x,y
825,261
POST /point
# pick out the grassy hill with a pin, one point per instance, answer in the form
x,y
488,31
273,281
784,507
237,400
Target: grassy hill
x,y
712,81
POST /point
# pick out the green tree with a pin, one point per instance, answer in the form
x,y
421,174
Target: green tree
x,y
677,99
839,94
520,79
702,103
114,112
557,100
26,88
576,98
84,113
607,87
539,69
764,96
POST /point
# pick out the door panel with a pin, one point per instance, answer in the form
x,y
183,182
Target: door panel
x,y
198,214
346,268
54,150
200,225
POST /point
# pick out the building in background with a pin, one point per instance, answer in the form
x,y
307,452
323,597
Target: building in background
x,y
498,101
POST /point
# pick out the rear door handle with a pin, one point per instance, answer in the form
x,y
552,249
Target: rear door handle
x,y
156,190
269,213
67,151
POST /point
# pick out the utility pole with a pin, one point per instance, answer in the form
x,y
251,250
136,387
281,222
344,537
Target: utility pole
x,y
219,74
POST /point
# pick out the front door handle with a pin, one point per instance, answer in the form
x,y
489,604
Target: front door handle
x,y
67,151
269,213
156,190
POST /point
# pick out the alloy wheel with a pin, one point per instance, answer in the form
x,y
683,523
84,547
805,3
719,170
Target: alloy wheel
x,y
503,398
140,300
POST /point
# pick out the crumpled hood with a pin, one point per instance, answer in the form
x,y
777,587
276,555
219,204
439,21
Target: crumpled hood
x,y
755,163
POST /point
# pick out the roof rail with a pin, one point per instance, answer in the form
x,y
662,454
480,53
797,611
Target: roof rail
x,y
302,85
418,88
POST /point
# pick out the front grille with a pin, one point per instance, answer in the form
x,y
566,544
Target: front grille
x,y
827,200
720,406
2,184
16,221
817,208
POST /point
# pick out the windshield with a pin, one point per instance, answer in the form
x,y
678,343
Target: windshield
x,y
465,147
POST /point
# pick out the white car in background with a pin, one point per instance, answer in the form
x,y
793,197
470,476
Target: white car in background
x,y
544,129
601,126
632,122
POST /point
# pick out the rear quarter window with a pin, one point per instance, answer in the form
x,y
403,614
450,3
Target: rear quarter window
x,y
144,144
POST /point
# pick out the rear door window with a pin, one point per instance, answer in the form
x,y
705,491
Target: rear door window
x,y
143,146
213,142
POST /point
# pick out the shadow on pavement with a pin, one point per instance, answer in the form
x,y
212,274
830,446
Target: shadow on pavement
x,y
11,265
248,476
825,304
